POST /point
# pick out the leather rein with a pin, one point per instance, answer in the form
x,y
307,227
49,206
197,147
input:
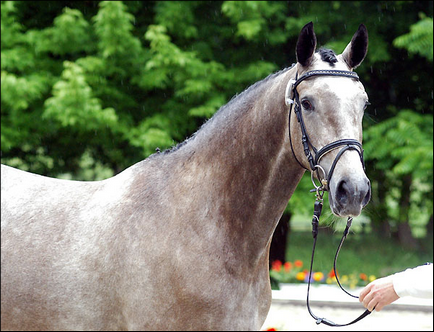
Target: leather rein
x,y
292,100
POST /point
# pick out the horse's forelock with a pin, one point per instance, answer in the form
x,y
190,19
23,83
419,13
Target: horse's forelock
x,y
328,55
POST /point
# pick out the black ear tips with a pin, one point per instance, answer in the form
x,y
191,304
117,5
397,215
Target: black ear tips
x,y
306,45
357,48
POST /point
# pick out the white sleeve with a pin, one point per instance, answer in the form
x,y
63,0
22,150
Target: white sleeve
x,y
417,282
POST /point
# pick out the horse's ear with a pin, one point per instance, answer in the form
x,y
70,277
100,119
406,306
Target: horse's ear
x,y
356,50
306,45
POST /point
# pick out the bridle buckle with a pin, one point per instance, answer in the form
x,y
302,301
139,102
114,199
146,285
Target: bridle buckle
x,y
322,188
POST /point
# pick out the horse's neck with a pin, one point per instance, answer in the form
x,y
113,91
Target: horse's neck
x,y
240,167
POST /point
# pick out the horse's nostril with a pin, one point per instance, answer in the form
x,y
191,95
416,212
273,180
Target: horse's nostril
x,y
342,192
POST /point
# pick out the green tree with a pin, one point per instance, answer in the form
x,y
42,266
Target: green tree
x,y
420,38
405,157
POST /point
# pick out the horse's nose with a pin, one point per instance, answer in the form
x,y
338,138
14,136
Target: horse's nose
x,y
352,195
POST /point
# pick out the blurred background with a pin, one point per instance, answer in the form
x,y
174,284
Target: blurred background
x,y
88,88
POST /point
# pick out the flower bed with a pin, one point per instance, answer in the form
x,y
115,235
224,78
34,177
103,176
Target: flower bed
x,y
293,272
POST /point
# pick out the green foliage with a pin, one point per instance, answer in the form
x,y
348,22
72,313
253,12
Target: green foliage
x,y
406,144
420,38
251,18
113,26
10,28
406,148
73,105
70,34
90,169
178,17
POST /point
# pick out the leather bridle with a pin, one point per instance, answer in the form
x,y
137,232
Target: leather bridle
x,y
292,100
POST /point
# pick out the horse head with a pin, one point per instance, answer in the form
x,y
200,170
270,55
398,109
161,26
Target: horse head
x,y
326,127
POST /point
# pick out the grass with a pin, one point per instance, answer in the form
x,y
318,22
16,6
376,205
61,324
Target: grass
x,y
360,253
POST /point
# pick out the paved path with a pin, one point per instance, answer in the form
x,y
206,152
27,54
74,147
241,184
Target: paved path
x,y
288,312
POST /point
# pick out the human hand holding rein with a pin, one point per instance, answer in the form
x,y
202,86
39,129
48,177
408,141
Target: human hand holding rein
x,y
378,294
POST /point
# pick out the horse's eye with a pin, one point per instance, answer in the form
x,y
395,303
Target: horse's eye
x,y
306,105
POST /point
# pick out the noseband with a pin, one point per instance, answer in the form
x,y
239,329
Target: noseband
x,y
292,98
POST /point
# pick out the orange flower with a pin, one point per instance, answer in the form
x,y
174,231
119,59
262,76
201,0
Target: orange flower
x,y
271,329
300,276
287,266
331,274
298,263
363,276
276,266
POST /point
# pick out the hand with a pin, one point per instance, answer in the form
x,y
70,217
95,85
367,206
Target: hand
x,y
378,294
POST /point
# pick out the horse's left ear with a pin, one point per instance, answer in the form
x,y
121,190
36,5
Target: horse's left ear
x,y
356,50
306,45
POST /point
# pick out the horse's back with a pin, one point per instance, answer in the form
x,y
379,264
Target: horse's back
x,y
31,202
49,253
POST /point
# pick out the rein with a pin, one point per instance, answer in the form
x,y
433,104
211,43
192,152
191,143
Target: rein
x,y
292,99
315,222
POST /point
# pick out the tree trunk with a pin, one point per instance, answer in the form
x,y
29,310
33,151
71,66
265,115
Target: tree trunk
x,y
279,240
379,217
405,236
429,227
